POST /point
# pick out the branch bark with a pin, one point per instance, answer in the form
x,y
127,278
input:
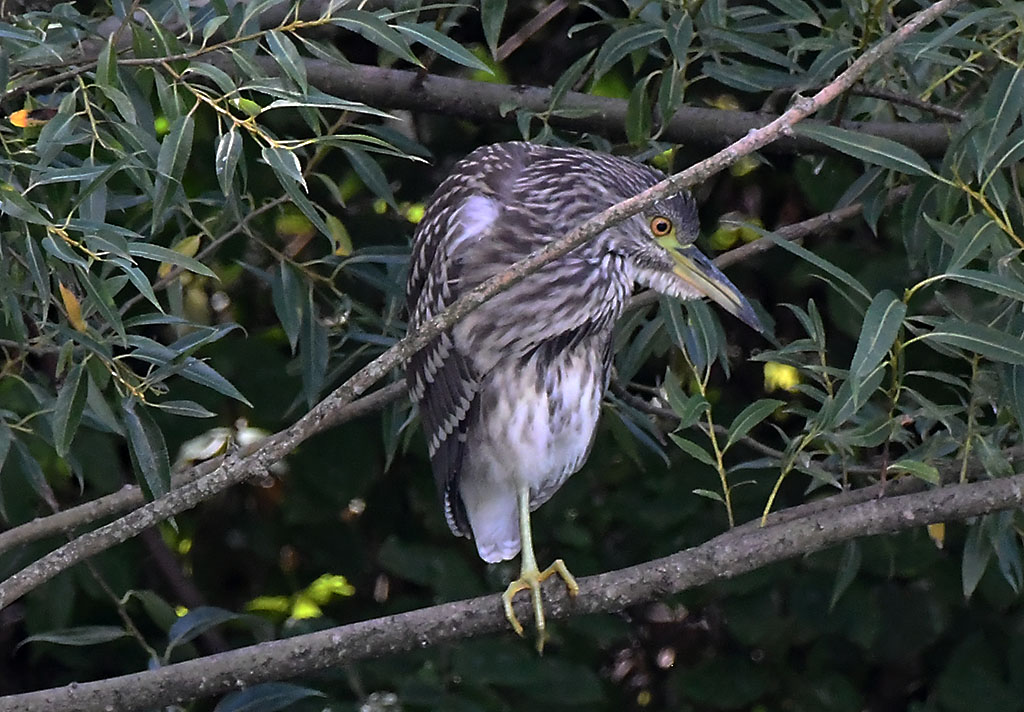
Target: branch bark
x,y
727,556
240,466
483,101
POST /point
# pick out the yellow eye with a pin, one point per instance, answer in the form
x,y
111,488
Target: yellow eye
x,y
660,226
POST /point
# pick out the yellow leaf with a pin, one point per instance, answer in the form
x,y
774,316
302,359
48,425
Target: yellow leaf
x,y
938,533
780,376
187,246
339,236
304,608
270,604
73,308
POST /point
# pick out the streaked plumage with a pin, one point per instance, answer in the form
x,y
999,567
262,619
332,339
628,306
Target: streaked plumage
x,y
510,396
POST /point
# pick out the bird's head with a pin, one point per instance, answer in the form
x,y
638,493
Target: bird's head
x,y
658,243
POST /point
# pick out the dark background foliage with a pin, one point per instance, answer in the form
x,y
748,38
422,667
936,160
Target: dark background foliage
x,y
290,231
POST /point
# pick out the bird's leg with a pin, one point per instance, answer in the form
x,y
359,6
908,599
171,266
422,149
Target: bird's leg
x,y
530,576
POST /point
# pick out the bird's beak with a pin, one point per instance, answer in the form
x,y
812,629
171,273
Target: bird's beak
x,y
699,272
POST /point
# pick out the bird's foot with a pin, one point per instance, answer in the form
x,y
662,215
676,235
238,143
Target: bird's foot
x,y
531,579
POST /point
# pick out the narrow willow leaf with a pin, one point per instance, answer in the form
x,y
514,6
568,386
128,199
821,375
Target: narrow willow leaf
x,y
875,150
68,409
798,10
977,338
808,256
425,34
693,450
569,78
1003,103
920,470
287,57
377,31
977,553
229,148
638,113
289,301
313,350
80,636
285,163
849,565
879,330
170,164
196,622
749,417
680,35
150,251
187,408
623,41
266,697
371,174
709,494
39,271
1005,285
14,204
492,15
147,449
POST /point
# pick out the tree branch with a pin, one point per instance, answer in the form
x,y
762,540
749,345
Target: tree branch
x,y
484,101
240,466
724,557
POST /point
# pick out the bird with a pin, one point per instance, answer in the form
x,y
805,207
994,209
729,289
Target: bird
x,y
509,397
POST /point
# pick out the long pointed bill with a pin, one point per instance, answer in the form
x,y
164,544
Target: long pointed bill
x,y
700,273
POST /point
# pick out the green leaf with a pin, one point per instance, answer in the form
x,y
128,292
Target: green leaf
x,y
638,113
983,340
798,10
878,332
693,450
568,79
689,409
920,470
285,163
377,31
289,303
14,204
425,34
229,148
159,253
313,349
977,553
849,565
68,409
680,35
709,494
1003,103
265,697
170,164
808,256
750,417
492,14
287,57
875,150
79,636
1004,285
187,408
196,622
371,174
623,41
147,449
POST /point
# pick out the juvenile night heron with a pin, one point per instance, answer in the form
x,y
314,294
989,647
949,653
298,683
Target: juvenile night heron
x,y
510,396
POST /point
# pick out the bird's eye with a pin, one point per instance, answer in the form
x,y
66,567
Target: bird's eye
x,y
660,226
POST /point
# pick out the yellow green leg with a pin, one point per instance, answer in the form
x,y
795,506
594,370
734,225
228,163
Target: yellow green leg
x,y
531,577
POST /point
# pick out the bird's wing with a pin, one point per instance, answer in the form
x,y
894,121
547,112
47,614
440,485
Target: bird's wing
x,y
442,378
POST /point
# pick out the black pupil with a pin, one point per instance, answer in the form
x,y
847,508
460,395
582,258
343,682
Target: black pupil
x,y
661,226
